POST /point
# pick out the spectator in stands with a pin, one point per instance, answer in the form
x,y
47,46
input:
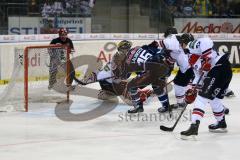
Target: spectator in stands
x,y
203,8
225,11
33,6
58,7
234,5
221,8
69,6
85,9
170,2
187,8
174,7
47,9
92,3
46,13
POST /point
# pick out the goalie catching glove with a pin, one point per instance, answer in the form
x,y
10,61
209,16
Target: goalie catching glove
x,y
190,96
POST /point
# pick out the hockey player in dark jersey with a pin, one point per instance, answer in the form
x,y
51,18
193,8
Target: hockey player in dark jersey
x,y
148,62
204,59
58,57
162,93
158,81
126,61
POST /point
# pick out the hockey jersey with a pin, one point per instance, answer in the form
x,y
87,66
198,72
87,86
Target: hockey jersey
x,y
202,50
172,44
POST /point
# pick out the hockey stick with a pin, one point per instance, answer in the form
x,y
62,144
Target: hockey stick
x,y
169,109
170,129
83,83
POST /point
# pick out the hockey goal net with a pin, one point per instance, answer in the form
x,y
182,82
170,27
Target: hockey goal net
x,y
40,75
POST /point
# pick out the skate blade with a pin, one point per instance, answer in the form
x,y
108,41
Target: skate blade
x,y
139,112
189,138
220,130
230,95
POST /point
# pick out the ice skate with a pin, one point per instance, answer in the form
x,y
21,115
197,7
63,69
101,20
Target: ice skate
x,y
136,109
230,94
192,132
164,109
219,127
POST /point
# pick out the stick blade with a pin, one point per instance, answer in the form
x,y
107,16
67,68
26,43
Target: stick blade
x,y
167,129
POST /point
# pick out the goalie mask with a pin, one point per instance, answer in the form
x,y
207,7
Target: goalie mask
x,y
200,49
124,46
62,32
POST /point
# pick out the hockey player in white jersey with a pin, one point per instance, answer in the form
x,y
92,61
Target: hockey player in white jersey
x,y
175,53
204,59
182,79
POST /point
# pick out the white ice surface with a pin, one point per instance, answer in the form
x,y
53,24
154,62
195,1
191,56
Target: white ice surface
x,y
40,135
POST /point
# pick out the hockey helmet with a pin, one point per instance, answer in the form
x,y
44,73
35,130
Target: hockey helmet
x,y
124,45
62,32
154,44
186,38
170,30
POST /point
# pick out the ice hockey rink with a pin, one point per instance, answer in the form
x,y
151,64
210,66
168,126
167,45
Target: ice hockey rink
x,y
41,134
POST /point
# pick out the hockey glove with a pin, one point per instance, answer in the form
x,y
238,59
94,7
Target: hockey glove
x,y
206,66
190,96
144,94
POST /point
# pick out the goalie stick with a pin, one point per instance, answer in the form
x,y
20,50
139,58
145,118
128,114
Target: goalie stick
x,y
170,129
83,83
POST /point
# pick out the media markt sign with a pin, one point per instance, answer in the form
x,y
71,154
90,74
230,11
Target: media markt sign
x,y
207,25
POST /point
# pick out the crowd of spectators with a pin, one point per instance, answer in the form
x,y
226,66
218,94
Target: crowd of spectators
x,y
191,8
82,8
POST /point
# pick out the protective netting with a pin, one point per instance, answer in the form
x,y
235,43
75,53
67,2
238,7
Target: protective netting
x,y
47,70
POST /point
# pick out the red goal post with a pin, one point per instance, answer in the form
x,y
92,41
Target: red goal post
x,y
27,50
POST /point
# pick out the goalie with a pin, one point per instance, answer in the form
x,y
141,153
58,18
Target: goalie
x,y
110,76
113,75
126,61
58,58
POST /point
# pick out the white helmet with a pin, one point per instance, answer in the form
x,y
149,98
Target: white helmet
x,y
199,48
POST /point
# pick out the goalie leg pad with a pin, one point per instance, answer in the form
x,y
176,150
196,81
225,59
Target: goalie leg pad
x,y
105,95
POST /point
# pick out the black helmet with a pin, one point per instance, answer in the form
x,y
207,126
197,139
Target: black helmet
x,y
186,38
170,30
154,44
